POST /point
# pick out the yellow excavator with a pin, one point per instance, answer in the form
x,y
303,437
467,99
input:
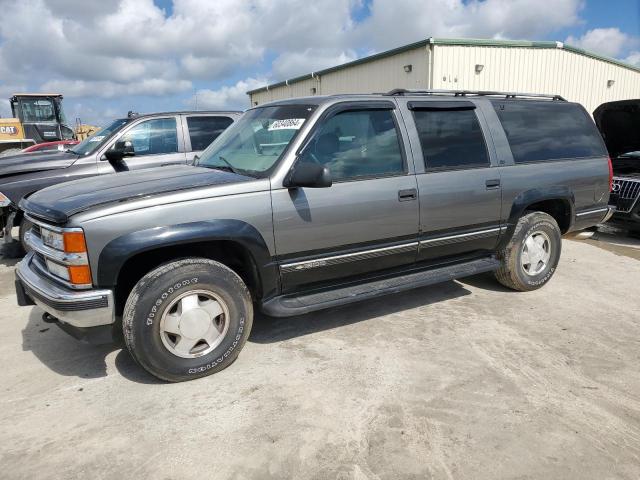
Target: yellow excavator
x,y
37,118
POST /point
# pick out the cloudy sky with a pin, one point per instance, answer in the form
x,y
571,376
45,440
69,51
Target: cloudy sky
x,y
111,56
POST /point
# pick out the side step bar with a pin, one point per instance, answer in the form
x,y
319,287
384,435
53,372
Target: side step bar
x,y
289,305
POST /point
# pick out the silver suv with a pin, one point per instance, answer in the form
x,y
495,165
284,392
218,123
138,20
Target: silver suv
x,y
311,203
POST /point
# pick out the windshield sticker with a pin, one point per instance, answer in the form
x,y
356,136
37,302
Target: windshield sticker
x,y
97,138
287,124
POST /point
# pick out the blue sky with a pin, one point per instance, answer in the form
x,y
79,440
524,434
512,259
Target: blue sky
x,y
108,57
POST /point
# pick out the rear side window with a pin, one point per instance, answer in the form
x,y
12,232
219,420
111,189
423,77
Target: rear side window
x,y
204,130
451,139
540,131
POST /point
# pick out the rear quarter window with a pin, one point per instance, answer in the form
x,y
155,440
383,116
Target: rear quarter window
x,y
541,131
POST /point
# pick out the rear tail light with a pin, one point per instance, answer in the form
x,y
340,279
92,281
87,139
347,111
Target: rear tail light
x,y
610,175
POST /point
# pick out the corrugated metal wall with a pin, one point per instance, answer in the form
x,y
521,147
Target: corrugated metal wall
x,y
379,75
301,88
576,77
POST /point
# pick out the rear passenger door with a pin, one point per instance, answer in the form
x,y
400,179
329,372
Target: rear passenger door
x,y
459,188
202,130
368,219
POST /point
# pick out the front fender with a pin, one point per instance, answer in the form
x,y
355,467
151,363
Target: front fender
x,y
116,253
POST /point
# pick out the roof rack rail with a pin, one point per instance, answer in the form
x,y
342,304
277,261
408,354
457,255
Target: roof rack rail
x,y
481,93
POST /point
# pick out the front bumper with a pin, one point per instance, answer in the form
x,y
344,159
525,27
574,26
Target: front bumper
x,y
81,309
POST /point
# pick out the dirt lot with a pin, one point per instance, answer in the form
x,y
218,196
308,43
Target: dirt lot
x,y
461,380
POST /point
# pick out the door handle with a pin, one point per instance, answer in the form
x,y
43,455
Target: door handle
x,y
408,194
493,183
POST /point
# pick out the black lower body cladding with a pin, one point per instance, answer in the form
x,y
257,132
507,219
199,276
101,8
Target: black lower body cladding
x,y
530,258
187,319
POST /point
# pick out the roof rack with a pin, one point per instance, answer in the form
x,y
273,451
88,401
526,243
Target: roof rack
x,y
481,93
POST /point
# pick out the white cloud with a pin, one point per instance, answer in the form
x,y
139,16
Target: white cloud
x,y
402,21
606,41
226,98
291,64
633,58
116,48
107,89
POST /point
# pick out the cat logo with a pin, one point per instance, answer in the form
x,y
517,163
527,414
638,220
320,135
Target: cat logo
x,y
8,130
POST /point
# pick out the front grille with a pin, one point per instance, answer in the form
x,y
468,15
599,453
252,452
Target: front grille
x,y
625,193
35,230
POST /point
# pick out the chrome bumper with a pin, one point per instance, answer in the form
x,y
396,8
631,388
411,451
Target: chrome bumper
x,y
79,308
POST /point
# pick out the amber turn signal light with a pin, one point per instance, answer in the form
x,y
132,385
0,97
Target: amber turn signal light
x,y
74,242
79,274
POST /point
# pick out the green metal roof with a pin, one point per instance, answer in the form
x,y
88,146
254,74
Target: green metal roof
x,y
479,42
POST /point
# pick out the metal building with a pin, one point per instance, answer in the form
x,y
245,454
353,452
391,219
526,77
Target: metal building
x,y
466,64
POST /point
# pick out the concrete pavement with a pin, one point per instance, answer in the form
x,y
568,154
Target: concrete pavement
x,y
461,380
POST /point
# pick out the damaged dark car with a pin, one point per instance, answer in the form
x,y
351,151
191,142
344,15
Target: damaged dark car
x,y
131,143
619,123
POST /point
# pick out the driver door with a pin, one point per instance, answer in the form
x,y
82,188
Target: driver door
x,y
155,142
367,220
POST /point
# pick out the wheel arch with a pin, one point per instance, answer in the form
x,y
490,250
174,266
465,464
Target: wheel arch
x,y
236,244
558,202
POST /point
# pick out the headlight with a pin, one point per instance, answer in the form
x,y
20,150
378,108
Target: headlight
x,y
52,239
69,242
4,200
72,268
57,269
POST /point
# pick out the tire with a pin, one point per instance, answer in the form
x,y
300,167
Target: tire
x,y
25,225
161,295
515,272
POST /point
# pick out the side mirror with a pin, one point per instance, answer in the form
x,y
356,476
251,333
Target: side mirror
x,y
121,149
309,175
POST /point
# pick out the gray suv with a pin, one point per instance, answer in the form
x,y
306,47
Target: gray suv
x,y
131,143
311,203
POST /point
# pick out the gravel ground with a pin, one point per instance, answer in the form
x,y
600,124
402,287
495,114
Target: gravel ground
x,y
460,380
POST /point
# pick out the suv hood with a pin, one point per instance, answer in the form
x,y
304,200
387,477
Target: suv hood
x,y
619,123
59,202
34,162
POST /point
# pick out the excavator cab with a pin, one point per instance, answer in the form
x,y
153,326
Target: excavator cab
x,y
42,116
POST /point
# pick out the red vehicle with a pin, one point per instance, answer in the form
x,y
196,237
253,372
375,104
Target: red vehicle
x,y
60,145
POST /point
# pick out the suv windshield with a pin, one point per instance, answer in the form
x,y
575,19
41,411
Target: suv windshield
x,y
100,137
255,143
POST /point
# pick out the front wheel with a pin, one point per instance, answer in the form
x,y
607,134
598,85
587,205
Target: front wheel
x,y
530,258
25,226
187,319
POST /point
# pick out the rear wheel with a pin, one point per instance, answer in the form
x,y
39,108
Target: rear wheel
x,y
531,256
187,319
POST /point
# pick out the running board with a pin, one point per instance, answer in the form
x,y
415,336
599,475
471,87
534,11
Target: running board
x,y
289,305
